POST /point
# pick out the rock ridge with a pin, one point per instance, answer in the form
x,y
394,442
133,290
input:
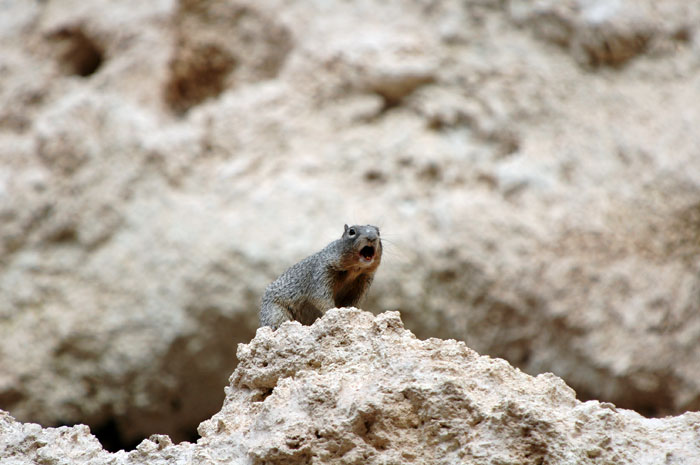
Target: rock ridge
x,y
357,388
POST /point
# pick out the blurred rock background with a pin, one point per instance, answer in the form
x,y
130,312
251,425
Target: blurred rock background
x,y
534,167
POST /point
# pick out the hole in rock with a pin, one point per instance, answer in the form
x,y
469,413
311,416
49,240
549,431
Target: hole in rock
x,y
375,176
615,50
654,404
263,394
683,34
77,53
219,44
197,74
9,397
64,235
111,438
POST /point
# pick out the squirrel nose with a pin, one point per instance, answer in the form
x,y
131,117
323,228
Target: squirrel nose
x,y
371,236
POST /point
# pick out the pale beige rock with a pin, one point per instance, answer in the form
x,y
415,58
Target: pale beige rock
x,y
533,167
355,388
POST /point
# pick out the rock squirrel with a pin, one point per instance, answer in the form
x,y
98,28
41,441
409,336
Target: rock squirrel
x,y
337,276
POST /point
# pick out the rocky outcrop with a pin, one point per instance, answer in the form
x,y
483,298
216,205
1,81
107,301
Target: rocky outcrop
x,y
533,167
355,388
608,33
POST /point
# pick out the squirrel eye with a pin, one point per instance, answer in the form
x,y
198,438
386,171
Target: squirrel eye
x,y
351,231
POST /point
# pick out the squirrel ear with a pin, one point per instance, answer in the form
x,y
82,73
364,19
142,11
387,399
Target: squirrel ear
x,y
346,227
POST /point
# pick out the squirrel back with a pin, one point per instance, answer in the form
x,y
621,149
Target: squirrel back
x,y
339,275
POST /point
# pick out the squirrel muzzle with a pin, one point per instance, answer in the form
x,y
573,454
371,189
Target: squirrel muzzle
x,y
370,250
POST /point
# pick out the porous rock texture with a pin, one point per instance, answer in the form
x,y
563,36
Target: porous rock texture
x,y
534,167
358,389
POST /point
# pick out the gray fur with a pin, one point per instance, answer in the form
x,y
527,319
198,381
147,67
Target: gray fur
x,y
336,276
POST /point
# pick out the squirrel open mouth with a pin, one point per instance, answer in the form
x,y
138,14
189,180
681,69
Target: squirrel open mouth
x,y
367,253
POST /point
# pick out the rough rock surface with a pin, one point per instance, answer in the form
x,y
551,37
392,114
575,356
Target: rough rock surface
x,y
160,162
358,389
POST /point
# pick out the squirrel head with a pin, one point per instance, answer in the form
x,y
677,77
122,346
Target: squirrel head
x,y
363,244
